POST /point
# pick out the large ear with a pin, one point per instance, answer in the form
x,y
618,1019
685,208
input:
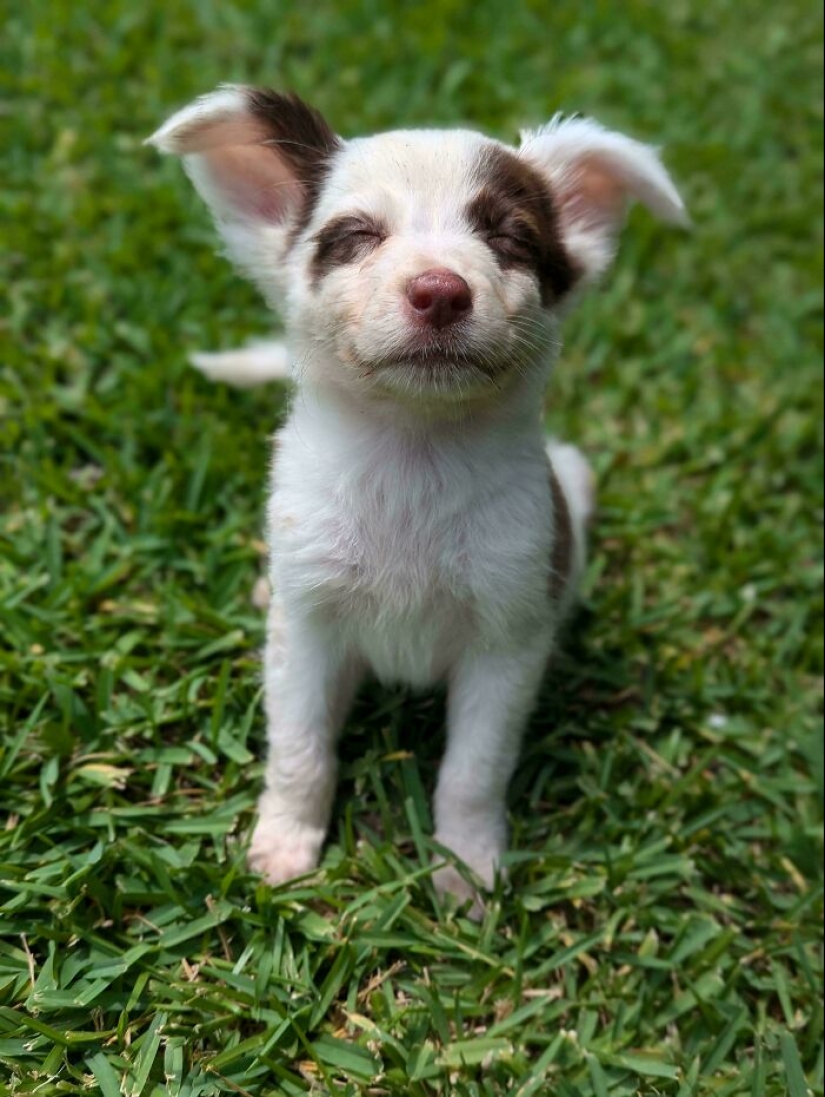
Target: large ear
x,y
257,158
594,176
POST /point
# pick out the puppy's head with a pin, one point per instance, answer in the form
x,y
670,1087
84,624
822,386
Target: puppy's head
x,y
423,264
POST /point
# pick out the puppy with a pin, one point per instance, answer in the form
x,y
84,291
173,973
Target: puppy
x,y
421,527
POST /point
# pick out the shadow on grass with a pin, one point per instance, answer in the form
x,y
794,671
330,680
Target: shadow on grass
x,y
395,739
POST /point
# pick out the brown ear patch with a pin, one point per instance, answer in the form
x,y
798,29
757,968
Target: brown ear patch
x,y
561,557
302,137
514,212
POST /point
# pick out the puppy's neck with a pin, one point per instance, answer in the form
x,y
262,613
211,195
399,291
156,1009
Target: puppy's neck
x,y
514,408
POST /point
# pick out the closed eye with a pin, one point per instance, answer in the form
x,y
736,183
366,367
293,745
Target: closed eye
x,y
519,246
366,234
345,240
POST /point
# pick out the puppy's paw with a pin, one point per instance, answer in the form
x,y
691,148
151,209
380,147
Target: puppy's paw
x,y
450,884
281,852
481,853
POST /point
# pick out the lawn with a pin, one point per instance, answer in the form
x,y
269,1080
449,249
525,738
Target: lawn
x,y
661,933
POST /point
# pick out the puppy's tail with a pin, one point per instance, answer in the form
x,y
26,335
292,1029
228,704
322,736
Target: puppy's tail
x,y
257,364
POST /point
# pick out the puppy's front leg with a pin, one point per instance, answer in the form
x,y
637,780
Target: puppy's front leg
x,y
490,698
309,685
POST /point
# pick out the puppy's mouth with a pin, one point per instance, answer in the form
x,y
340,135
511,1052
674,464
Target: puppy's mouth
x,y
436,356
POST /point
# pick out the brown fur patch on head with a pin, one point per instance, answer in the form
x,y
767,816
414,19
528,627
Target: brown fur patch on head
x,y
300,135
561,558
344,240
515,214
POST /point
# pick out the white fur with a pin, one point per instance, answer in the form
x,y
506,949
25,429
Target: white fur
x,y
256,364
411,522
597,174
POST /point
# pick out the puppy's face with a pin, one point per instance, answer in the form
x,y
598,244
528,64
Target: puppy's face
x,y
429,263
426,265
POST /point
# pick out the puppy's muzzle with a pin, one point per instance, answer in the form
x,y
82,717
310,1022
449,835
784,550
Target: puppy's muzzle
x,y
439,298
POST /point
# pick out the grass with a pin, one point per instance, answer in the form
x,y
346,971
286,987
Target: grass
x,y
662,933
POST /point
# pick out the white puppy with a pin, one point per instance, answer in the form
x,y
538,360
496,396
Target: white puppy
x,y
420,525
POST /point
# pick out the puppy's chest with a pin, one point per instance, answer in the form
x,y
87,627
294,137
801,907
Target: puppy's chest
x,y
414,555
377,552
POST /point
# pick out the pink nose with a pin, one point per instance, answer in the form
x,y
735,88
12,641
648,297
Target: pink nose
x,y
439,297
